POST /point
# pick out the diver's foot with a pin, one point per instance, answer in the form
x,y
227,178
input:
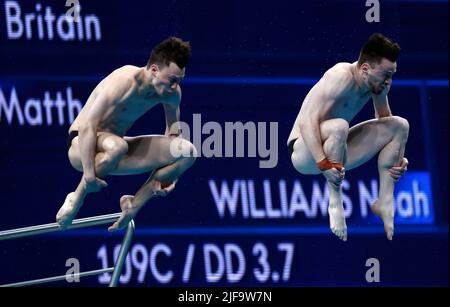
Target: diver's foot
x,y
337,221
129,211
386,213
68,210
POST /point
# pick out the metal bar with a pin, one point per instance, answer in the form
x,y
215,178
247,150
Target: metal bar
x,y
52,227
57,278
122,254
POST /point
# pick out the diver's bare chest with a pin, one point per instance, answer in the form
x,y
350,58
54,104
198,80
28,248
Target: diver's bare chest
x,y
352,102
136,106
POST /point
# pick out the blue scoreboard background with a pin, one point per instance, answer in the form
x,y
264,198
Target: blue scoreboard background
x,y
229,221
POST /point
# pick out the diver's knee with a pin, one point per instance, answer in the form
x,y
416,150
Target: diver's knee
x,y
401,125
339,129
115,147
192,157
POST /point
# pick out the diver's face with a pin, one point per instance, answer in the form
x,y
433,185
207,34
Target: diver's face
x,y
378,77
166,79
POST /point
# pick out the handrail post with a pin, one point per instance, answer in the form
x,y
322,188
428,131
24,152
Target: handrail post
x,y
122,254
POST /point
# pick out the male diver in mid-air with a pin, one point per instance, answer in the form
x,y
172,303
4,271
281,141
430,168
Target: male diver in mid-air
x,y
322,142
97,143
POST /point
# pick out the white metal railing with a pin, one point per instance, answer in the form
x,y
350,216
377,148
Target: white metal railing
x,y
79,223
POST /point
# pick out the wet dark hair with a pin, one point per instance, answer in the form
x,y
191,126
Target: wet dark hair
x,y
172,49
378,47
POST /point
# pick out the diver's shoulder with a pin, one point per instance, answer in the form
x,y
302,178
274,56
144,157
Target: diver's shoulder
x,y
339,78
341,72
